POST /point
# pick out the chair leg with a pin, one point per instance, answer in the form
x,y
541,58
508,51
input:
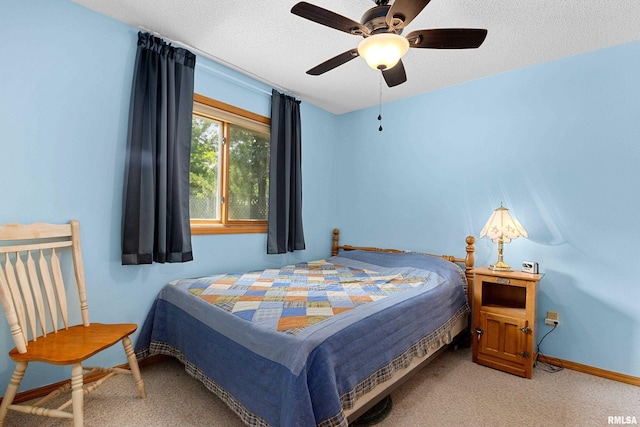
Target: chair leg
x,y
133,365
77,394
12,389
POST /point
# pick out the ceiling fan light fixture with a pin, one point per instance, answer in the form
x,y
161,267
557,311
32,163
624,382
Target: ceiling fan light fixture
x,y
383,51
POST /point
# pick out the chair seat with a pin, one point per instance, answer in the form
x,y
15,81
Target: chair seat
x,y
73,345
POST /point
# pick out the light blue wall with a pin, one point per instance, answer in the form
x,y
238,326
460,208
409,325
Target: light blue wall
x,y
65,83
558,144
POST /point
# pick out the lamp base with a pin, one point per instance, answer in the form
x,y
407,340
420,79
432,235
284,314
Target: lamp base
x,y
500,266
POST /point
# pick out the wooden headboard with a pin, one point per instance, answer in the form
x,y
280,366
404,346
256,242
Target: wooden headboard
x,y
467,261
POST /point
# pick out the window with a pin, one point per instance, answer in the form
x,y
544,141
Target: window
x,y
229,178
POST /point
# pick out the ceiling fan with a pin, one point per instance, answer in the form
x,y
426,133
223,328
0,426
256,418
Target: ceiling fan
x,y
383,46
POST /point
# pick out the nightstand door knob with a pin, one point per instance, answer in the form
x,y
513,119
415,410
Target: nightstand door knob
x,y
479,333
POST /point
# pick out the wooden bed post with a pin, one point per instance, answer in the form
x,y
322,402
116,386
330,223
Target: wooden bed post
x,y
469,263
470,259
336,237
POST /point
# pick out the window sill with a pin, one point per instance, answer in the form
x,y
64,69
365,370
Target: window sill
x,y
203,229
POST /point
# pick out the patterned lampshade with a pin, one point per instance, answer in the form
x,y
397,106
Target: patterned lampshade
x,y
502,225
502,228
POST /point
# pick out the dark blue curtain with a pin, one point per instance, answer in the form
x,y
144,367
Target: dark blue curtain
x,y
155,222
285,177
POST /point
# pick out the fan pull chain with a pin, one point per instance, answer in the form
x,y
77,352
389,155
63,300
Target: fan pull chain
x,y
380,106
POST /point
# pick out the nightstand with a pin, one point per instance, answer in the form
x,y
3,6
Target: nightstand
x,y
504,320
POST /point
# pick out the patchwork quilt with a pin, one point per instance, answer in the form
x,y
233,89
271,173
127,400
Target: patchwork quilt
x,y
298,345
293,297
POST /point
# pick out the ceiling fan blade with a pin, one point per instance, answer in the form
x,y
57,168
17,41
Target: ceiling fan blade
x,y
447,38
334,62
405,10
395,75
328,18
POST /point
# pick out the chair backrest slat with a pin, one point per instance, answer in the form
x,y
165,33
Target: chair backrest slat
x,y
48,289
27,297
6,300
14,298
59,282
32,288
36,289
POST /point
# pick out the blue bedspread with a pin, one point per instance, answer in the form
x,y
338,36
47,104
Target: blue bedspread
x,y
307,378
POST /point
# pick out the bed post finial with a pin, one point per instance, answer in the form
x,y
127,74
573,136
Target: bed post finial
x,y
336,237
470,259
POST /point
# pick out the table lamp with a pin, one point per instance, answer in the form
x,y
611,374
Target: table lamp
x,y
502,228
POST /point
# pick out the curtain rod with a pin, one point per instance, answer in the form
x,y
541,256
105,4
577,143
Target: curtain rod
x,y
226,64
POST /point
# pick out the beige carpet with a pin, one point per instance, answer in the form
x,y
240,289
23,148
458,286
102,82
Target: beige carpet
x,y
451,391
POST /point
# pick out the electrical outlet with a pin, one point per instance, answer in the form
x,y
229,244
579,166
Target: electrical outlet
x,y
552,319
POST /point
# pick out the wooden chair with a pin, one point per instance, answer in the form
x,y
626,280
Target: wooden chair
x,y
33,297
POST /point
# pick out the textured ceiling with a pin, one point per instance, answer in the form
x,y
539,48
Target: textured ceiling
x,y
264,40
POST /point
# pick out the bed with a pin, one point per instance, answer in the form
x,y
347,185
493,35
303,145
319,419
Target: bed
x,y
315,343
